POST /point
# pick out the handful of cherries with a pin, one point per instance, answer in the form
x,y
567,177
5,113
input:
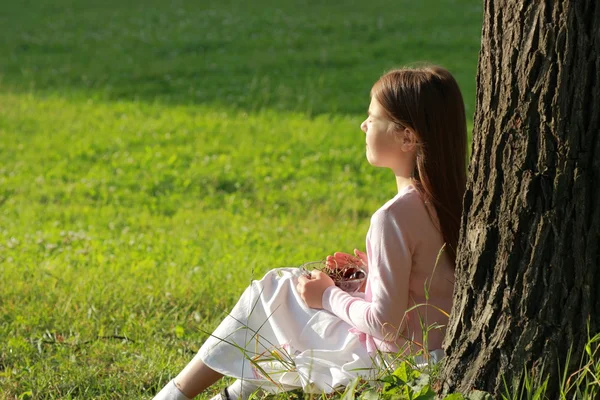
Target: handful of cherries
x,y
346,274
348,278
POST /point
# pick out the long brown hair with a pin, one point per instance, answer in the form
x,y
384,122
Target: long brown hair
x,y
428,101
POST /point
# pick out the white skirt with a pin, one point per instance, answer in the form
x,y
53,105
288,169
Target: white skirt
x,y
274,340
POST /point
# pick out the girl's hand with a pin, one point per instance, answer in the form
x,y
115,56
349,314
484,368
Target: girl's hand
x,y
311,289
340,260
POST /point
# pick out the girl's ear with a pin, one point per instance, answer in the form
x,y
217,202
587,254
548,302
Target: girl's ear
x,y
408,140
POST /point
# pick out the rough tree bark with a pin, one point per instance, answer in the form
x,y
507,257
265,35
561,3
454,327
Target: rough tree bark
x,y
528,274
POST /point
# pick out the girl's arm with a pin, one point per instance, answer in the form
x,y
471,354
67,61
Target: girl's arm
x,y
390,259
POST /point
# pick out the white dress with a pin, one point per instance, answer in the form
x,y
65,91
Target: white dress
x,y
274,340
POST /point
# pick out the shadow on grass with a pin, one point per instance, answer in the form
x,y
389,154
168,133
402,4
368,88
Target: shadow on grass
x,y
306,57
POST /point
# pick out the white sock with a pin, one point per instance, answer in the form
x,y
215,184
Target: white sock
x,y
238,390
170,392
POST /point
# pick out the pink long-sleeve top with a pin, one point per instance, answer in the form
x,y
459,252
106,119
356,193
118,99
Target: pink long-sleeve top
x,y
403,243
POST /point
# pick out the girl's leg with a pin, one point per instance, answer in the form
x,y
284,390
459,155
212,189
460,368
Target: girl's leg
x,y
195,378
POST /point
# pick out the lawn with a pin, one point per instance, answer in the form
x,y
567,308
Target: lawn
x,y
156,156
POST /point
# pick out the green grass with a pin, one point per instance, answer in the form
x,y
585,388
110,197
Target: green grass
x,y
155,156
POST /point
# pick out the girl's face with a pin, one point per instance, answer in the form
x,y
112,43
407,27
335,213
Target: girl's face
x,y
383,148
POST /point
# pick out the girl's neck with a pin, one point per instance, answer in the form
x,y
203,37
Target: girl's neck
x,y
404,175
404,171
402,182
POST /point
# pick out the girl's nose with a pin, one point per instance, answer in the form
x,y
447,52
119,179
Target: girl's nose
x,y
363,126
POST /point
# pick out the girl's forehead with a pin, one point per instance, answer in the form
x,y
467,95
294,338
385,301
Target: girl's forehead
x,y
374,107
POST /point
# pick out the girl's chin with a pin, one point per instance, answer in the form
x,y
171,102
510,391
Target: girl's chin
x,y
374,162
371,160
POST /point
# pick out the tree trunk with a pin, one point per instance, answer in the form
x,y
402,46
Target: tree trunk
x,y
528,274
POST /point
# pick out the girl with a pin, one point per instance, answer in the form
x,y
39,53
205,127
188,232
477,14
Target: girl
x,y
289,331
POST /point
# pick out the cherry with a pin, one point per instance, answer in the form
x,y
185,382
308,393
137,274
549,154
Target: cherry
x,y
357,275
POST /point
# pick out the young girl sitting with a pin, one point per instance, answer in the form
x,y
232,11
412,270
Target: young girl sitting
x,y
289,330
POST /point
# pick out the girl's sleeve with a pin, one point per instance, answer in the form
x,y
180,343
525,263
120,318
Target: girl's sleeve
x,y
390,261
